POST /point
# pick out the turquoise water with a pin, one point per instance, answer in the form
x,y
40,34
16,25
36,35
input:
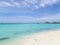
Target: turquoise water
x,y
12,30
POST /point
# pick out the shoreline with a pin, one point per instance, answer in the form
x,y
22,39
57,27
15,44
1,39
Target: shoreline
x,y
40,38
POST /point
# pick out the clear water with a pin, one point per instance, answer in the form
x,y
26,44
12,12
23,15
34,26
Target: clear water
x,y
11,30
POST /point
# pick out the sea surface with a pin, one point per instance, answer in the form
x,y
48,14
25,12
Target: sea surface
x,y
13,30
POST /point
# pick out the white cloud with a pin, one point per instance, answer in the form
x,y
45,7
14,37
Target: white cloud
x,y
19,19
44,3
30,3
4,3
39,3
25,4
51,18
16,4
10,4
30,19
33,4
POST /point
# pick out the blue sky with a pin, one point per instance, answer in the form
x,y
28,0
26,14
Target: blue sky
x,y
29,11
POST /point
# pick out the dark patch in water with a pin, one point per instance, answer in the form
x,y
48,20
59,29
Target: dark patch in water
x,y
16,33
4,38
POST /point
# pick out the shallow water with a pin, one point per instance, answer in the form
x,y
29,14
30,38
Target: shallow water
x,y
13,30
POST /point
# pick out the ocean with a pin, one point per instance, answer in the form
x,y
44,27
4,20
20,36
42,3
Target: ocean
x,y
14,30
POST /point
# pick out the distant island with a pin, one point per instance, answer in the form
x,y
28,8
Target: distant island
x,y
52,22
35,23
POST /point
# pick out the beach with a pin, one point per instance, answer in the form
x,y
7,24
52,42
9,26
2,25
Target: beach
x,y
29,22
42,38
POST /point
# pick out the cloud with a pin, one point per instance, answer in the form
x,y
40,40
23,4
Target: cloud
x,y
18,19
9,4
4,3
33,4
52,18
31,1
29,19
44,3
25,4
36,4
16,4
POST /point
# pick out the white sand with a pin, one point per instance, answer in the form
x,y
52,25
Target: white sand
x,y
43,38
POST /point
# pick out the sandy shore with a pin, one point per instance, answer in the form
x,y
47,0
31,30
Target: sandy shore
x,y
43,38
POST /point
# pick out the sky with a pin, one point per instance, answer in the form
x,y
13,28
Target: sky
x,y
29,11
